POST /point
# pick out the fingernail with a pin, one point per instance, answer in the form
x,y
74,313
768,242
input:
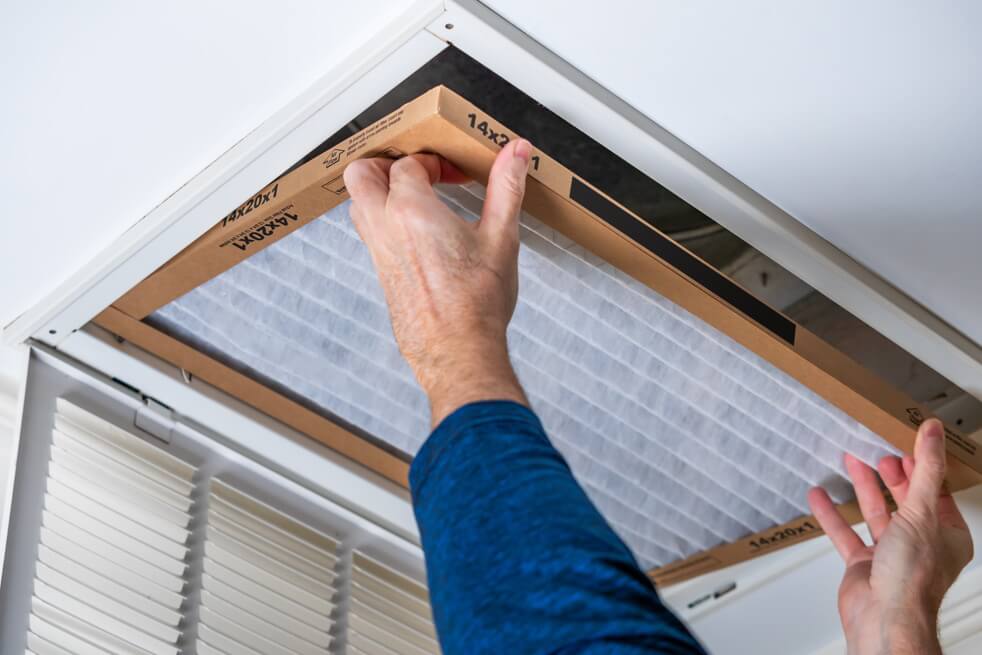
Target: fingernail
x,y
523,150
933,429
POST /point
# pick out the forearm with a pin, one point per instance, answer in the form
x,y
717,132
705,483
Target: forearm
x,y
518,558
906,642
907,632
479,370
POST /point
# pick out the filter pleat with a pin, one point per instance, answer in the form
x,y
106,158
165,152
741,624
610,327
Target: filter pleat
x,y
730,534
542,350
296,271
624,369
682,437
657,339
327,358
272,366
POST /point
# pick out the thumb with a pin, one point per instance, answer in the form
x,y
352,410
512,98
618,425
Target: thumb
x,y
929,467
506,188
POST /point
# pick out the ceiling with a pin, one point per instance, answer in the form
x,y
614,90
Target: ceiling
x,y
110,106
858,119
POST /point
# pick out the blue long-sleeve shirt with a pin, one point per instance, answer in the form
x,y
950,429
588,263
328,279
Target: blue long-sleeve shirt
x,y
518,558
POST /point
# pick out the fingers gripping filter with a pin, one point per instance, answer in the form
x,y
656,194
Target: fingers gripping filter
x,y
682,437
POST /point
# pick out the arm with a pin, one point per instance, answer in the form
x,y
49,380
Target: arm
x,y
892,590
518,559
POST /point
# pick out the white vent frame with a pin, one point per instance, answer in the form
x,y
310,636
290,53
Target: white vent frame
x,y
218,453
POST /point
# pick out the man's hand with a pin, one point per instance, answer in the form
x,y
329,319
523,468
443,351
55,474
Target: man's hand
x,y
891,591
451,286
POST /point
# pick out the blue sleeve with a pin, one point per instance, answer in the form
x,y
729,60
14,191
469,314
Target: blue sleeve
x,y
518,559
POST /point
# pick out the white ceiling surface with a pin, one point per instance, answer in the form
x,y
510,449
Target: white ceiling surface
x,y
110,106
858,119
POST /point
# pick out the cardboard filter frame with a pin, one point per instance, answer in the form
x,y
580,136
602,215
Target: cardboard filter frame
x,y
442,122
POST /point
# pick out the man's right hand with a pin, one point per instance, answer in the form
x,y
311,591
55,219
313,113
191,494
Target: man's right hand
x,y
451,286
892,590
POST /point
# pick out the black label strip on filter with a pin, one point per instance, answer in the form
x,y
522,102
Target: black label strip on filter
x,y
683,261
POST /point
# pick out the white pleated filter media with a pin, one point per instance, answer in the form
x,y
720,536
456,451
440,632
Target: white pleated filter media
x,y
110,571
683,438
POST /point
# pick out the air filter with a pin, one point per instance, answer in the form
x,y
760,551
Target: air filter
x,y
693,414
683,438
